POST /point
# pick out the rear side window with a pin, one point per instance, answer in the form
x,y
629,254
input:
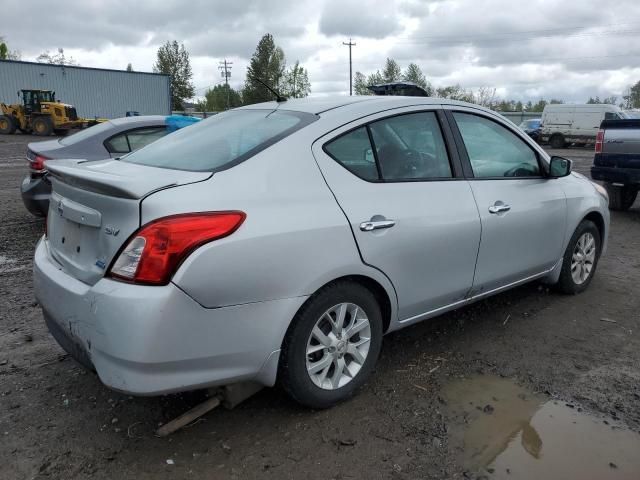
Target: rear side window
x,y
400,148
221,141
410,147
135,139
353,151
493,150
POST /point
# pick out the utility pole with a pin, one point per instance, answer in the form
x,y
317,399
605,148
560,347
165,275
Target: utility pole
x,y
225,71
350,44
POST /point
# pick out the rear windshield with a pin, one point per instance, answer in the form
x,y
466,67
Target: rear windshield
x,y
221,141
86,133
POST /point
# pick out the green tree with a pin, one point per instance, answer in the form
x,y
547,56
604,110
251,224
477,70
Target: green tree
x,y
414,74
129,67
173,60
360,84
295,83
217,98
455,92
268,65
56,58
632,98
539,105
528,106
6,54
392,71
593,101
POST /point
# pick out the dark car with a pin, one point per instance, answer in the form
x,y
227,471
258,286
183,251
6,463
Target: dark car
x,y
111,139
532,127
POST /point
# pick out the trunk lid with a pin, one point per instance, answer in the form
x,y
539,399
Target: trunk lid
x,y
95,207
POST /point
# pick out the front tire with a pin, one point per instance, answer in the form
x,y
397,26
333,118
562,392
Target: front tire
x,y
580,259
7,125
331,346
621,198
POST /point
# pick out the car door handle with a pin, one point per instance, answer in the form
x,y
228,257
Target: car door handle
x,y
376,225
498,208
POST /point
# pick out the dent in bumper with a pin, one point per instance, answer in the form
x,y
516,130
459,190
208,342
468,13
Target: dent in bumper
x,y
152,340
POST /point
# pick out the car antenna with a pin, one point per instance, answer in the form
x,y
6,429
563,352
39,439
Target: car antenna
x,y
279,98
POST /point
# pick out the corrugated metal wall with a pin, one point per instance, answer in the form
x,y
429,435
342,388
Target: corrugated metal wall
x,y
94,92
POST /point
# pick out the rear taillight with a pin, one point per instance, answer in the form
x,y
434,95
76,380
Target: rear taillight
x,y
599,141
154,253
37,163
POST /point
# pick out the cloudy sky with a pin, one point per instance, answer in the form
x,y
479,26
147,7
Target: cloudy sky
x,y
526,49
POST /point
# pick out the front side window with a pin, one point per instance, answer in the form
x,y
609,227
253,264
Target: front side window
x,y
221,141
493,150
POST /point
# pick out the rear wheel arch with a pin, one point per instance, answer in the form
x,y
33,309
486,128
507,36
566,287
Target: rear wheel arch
x,y
379,292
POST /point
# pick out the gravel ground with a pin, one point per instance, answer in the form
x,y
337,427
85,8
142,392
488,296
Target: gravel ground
x,y
58,421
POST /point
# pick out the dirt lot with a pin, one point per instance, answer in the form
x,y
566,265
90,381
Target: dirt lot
x,y
57,421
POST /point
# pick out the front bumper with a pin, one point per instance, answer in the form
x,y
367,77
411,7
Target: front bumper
x,y
35,195
147,340
625,176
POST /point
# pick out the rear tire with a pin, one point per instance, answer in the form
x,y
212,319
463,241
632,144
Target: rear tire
x,y
331,349
621,198
7,125
580,259
557,141
42,126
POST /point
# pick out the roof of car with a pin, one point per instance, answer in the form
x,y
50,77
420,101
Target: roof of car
x,y
142,119
317,105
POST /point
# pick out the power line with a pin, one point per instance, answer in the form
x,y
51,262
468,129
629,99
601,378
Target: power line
x,y
350,44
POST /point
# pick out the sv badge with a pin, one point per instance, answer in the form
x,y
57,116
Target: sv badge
x,y
111,230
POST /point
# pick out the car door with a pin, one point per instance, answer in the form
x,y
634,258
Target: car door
x,y
412,214
523,213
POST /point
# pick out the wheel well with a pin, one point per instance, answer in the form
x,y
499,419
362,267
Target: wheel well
x,y
374,287
596,218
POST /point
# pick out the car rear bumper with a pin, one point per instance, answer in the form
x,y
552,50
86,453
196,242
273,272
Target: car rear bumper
x,y
147,340
626,176
35,195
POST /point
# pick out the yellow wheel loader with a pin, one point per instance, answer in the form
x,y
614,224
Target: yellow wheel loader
x,y
40,114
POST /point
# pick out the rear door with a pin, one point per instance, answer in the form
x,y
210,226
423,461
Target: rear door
x,y
412,214
523,213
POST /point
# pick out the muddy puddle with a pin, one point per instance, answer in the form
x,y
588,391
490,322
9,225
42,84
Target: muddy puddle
x,y
504,431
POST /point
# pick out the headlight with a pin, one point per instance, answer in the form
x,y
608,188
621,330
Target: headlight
x,y
601,190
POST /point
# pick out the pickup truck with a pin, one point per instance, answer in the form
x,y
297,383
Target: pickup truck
x,y
617,161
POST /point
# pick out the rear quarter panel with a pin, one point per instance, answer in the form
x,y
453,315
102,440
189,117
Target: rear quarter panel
x,y
294,240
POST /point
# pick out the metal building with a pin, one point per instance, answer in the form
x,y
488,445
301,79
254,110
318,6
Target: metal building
x,y
95,92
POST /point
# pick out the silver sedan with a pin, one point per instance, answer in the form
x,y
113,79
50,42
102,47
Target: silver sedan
x,y
279,242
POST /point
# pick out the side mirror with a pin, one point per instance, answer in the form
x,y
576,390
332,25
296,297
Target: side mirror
x,y
559,167
368,156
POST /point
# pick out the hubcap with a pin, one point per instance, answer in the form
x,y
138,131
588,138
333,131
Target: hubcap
x,y
338,346
583,258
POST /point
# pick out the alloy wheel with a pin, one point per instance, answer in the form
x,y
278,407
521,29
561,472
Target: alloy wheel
x,y
338,346
583,258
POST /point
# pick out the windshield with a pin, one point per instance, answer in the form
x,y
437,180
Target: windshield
x,y
86,133
221,141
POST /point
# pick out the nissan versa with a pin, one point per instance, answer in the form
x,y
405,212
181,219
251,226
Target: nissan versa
x,y
279,242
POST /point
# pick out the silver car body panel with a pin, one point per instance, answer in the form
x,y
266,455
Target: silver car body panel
x,y
224,315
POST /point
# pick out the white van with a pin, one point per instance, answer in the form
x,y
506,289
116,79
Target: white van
x,y
563,124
